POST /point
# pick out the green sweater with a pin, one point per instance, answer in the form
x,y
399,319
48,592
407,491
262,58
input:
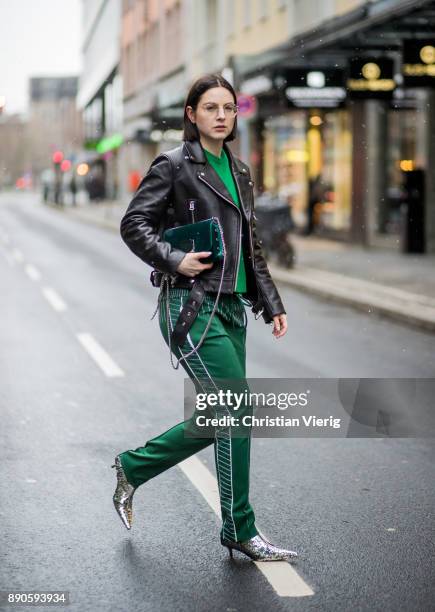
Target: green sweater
x,y
222,168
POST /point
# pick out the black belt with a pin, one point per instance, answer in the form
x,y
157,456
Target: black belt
x,y
181,330
188,313
191,307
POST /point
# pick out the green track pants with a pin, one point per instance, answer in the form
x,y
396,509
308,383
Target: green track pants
x,y
222,355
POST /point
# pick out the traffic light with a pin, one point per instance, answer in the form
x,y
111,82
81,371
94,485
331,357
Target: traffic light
x,y
57,157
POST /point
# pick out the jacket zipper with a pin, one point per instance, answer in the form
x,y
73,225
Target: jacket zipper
x,y
240,224
192,209
247,220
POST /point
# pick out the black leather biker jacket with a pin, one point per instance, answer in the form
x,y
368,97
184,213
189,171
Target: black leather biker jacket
x,y
162,200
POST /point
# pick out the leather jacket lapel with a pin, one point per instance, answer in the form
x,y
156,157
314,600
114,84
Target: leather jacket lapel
x,y
208,175
242,181
245,189
213,180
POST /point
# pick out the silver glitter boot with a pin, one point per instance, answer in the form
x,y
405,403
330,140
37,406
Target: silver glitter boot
x,y
259,549
123,496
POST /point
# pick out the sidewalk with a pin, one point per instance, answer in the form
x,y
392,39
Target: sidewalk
x,y
399,286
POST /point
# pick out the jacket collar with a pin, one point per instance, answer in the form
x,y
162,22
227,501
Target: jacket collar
x,y
197,156
195,153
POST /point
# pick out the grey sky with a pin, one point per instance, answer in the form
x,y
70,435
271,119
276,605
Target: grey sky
x,y
38,38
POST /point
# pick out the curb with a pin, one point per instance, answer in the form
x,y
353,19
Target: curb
x,y
414,309
417,311
107,223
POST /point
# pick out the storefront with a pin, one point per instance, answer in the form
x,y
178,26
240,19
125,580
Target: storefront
x,y
402,157
144,138
307,149
307,162
102,125
352,155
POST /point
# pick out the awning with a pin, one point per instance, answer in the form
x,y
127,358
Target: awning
x,y
374,27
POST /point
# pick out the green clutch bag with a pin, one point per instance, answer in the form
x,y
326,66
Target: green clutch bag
x,y
200,236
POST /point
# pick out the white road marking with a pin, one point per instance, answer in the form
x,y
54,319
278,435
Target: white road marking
x,y
99,355
281,575
32,272
203,480
284,579
54,299
17,255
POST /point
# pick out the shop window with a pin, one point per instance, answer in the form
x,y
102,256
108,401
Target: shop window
x,y
401,158
307,163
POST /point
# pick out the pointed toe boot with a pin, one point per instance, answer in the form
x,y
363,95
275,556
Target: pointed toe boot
x,y
123,496
259,549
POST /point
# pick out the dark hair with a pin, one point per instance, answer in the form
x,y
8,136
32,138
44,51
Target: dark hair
x,y
199,87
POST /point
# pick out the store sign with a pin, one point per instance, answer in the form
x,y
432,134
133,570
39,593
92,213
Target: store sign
x,y
312,87
257,85
419,63
156,135
403,97
109,143
371,78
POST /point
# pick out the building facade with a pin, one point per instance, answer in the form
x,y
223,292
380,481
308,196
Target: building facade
x,y
344,122
100,95
15,149
329,119
54,123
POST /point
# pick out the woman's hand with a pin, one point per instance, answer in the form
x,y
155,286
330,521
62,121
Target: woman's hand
x,y
190,264
279,325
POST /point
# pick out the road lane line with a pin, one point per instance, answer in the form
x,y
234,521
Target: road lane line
x,y
99,355
32,272
283,578
54,299
204,481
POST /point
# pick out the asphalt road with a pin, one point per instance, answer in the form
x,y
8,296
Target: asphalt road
x,y
360,512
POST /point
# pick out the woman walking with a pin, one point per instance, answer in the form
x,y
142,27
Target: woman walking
x,y
202,303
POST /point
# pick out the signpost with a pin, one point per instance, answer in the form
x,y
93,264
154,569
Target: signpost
x,y
247,106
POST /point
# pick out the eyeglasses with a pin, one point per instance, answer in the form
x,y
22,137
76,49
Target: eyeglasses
x,y
229,109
